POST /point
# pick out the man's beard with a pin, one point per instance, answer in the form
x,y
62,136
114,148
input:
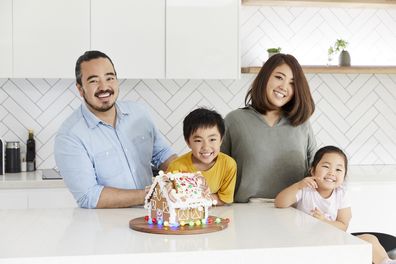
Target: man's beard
x,y
103,108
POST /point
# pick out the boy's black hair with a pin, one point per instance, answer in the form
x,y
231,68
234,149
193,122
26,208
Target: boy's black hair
x,y
202,118
329,149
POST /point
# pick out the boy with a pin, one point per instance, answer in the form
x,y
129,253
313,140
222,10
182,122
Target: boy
x,y
203,131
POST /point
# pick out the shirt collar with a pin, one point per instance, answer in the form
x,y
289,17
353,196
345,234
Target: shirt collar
x,y
93,121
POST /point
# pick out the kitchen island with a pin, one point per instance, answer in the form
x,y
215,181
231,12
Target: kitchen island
x,y
257,232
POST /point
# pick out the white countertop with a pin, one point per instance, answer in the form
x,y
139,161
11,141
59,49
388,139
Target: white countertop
x,y
371,174
24,180
256,231
357,174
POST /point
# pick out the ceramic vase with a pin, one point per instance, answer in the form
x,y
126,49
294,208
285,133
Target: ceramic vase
x,y
344,59
271,54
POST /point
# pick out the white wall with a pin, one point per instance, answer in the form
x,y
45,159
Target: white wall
x,y
354,111
307,33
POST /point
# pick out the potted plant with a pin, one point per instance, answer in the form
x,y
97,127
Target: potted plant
x,y
273,51
340,46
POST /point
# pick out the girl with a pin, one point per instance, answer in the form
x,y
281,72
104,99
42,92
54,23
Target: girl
x,y
323,196
271,139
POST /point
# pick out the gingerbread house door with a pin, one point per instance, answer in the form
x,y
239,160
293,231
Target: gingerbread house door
x,y
160,215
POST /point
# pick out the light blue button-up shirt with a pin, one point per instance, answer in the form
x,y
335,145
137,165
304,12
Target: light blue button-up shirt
x,y
91,154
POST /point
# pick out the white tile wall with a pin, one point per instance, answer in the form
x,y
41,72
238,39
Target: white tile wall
x,y
307,33
355,112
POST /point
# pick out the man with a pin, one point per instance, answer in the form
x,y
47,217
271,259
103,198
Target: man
x,y
105,149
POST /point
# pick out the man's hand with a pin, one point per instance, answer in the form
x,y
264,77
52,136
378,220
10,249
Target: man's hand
x,y
147,189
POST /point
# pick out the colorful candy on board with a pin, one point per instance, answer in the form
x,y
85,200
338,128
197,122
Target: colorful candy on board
x,y
210,221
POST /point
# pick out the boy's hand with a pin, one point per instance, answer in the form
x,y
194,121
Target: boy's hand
x,y
307,182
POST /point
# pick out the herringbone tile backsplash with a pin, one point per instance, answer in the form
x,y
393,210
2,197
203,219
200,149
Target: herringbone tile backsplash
x,y
356,112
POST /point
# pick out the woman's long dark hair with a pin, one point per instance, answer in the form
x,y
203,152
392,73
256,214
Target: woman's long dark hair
x,y
300,107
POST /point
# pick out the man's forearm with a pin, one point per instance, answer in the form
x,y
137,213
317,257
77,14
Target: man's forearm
x,y
120,198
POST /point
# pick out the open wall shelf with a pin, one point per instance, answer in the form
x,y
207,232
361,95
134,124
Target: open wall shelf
x,y
336,69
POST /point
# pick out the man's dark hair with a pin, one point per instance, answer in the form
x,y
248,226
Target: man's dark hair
x,y
87,56
202,118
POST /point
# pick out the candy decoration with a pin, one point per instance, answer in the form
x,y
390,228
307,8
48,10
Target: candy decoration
x,y
150,222
227,220
218,220
182,223
166,223
183,194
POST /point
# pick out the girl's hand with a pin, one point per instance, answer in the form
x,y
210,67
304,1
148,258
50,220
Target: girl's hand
x,y
318,214
307,182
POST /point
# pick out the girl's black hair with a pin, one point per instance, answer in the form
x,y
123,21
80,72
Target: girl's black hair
x,y
329,149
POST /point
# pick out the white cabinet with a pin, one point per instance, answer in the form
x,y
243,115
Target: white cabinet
x,y
373,207
13,199
36,198
51,198
5,38
49,35
132,34
156,39
202,40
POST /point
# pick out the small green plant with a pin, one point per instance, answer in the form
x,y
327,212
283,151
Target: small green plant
x,y
338,46
274,50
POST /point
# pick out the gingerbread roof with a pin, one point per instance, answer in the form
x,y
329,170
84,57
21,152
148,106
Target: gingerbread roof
x,y
181,190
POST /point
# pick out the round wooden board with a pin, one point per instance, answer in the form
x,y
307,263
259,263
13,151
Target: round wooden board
x,y
139,224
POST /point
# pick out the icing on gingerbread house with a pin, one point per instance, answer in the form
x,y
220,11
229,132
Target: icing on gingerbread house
x,y
178,197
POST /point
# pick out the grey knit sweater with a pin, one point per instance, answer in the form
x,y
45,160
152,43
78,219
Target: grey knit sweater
x,y
268,158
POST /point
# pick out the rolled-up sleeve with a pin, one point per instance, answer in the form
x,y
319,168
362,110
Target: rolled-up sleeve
x,y
77,170
161,149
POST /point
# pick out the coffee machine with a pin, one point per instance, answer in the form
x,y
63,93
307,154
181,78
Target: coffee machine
x,y
13,157
2,157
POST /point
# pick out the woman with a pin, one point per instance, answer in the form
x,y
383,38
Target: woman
x,y
271,138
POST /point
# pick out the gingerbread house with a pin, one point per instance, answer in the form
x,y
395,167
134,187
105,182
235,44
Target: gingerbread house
x,y
177,198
